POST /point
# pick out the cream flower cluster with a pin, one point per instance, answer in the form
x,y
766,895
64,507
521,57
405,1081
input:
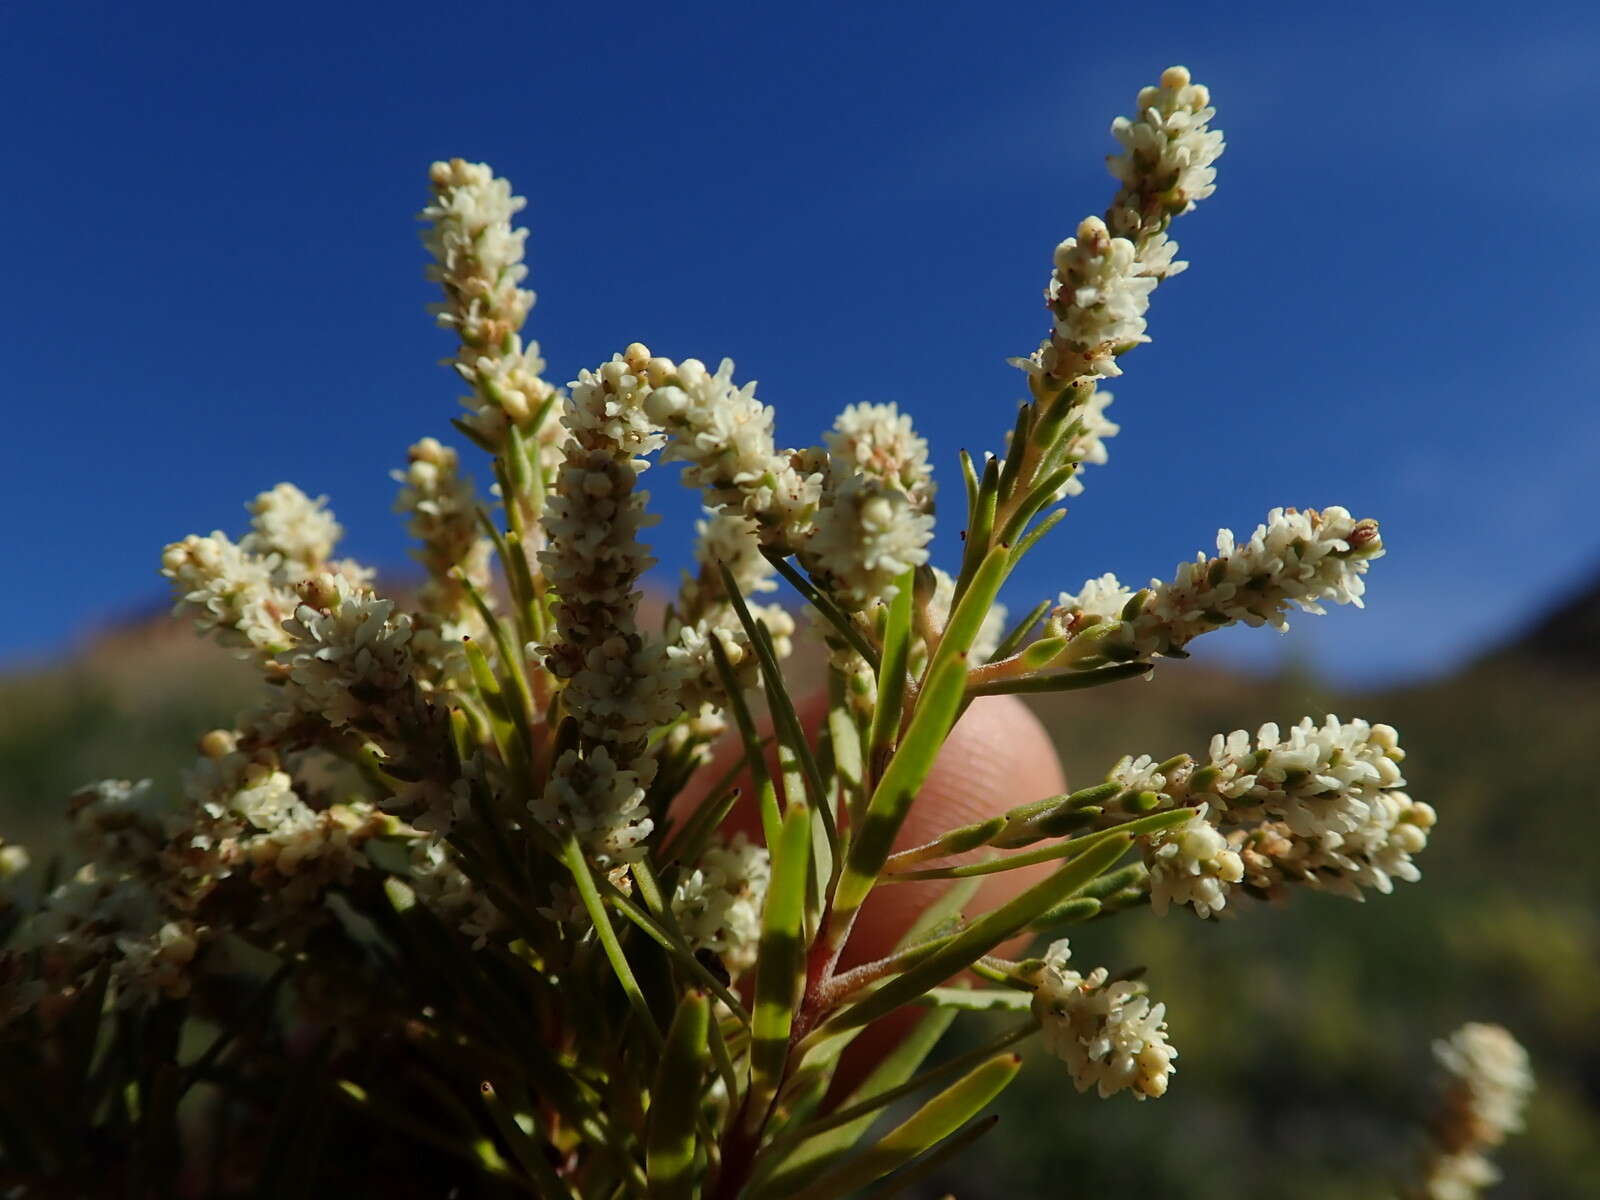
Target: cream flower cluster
x,y
726,437
242,592
1099,295
350,666
231,593
1298,559
97,916
439,882
478,264
1487,1085
1107,1033
1318,805
112,908
116,822
601,802
349,646
443,516
718,904
619,686
1192,864
878,440
1103,277
248,816
868,533
1168,149
294,526
723,539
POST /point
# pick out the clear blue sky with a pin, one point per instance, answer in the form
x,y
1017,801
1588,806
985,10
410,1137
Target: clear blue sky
x,y
215,281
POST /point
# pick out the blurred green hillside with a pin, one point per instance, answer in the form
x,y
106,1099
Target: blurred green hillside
x,y
1304,1035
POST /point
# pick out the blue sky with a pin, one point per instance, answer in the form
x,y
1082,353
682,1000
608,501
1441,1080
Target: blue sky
x,y
216,279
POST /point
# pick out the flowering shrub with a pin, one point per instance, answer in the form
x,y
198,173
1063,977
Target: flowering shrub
x,y
446,876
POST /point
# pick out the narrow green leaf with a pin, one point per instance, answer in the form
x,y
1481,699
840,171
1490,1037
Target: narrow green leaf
x,y
969,477
902,780
1030,539
1070,912
525,1148
780,959
820,1145
755,757
1065,681
942,915
835,616
969,612
1014,637
983,935
980,527
978,999
1067,849
675,1100
572,855
928,1126
892,673
931,1159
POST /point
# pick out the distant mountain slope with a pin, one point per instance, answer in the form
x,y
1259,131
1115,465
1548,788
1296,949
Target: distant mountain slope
x,y
1568,636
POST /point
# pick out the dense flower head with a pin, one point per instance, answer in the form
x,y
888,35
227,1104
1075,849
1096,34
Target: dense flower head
x,y
1168,149
878,440
718,904
1487,1083
726,437
477,254
299,529
230,592
1296,559
1192,864
348,644
1317,805
867,535
1099,295
118,823
478,264
602,804
1106,1031
437,880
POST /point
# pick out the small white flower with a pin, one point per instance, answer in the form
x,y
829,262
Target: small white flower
x,y
726,436
878,440
718,904
867,535
298,529
1099,295
602,805
1296,559
1167,153
1108,1034
230,592
1192,864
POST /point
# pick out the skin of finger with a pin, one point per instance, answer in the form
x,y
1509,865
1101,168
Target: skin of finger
x,y
997,757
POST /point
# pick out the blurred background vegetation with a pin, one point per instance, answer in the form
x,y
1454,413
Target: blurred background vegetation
x,y
1304,1036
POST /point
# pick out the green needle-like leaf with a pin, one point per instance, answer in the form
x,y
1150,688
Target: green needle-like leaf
x,y
675,1100
780,959
892,672
902,780
983,935
927,1127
